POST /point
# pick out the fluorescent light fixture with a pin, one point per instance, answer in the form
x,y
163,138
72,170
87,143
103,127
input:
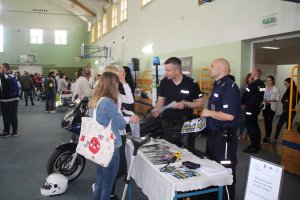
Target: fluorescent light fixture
x,y
147,49
96,62
269,47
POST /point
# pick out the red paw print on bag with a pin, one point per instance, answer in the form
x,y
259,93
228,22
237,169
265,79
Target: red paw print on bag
x,y
100,137
94,145
112,136
82,138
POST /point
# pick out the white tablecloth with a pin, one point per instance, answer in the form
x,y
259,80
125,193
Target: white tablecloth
x,y
158,185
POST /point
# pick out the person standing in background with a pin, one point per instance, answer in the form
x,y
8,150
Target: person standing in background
x,y
242,128
82,87
50,92
252,101
271,98
285,100
9,102
62,83
27,87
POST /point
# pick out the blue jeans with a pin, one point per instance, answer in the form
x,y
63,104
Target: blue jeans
x,y
106,177
50,100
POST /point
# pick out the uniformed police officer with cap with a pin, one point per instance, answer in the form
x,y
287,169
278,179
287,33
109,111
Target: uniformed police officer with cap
x,y
252,101
222,119
186,92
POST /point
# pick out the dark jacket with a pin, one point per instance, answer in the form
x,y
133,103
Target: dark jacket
x,y
49,86
5,95
26,83
285,100
254,94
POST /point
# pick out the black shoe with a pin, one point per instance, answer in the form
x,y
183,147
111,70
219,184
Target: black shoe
x,y
26,104
266,141
5,134
14,134
114,197
251,150
32,104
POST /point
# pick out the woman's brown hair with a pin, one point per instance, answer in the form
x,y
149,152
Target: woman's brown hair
x,y
107,87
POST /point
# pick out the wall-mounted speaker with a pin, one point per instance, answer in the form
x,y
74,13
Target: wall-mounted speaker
x,y
136,64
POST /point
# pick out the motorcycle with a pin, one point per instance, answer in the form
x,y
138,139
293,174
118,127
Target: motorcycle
x,y
65,160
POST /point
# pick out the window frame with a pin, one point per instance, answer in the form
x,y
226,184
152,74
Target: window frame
x,y
1,38
114,16
61,38
36,38
104,24
123,10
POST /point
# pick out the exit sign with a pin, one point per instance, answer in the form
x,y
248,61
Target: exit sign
x,y
269,20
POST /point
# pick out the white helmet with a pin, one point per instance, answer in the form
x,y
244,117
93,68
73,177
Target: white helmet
x,y
55,184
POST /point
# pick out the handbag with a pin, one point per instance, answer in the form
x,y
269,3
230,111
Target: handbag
x,y
96,142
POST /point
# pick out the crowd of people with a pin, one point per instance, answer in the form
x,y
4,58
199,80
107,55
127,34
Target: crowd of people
x,y
229,109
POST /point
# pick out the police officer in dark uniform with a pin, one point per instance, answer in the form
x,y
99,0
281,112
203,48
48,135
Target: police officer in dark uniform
x,y
252,101
222,119
186,93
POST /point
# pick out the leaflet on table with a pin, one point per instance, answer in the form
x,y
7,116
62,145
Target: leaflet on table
x,y
170,105
194,125
180,172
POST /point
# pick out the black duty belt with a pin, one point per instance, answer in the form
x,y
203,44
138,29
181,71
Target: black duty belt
x,y
221,131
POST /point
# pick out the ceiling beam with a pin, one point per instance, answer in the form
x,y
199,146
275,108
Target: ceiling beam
x,y
83,7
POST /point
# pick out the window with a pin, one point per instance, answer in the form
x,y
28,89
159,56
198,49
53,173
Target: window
x,y
60,37
144,2
99,33
1,38
123,10
104,24
93,33
36,36
114,16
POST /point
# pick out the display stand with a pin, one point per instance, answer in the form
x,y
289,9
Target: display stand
x,y
264,180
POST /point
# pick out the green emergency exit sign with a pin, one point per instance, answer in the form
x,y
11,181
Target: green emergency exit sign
x,y
269,20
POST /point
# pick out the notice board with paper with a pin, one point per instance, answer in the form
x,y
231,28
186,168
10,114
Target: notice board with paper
x,y
264,180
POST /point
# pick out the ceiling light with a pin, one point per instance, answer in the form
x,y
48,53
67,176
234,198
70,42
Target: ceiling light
x,y
269,47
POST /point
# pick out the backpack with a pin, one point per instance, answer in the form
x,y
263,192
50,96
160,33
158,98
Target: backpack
x,y
14,86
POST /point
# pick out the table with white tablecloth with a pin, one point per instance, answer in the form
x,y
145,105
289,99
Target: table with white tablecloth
x,y
158,185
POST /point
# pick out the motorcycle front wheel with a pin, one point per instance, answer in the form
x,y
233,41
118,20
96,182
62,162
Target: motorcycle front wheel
x,y
60,160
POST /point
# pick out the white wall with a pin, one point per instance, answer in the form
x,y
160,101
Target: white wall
x,y
175,25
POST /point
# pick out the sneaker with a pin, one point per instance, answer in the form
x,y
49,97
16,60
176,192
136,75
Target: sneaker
x,y
52,111
251,150
114,197
266,141
46,111
274,141
5,134
14,134
93,187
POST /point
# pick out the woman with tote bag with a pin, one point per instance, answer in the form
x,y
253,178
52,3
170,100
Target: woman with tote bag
x,y
106,111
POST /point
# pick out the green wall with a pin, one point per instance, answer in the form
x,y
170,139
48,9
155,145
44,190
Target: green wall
x,y
203,56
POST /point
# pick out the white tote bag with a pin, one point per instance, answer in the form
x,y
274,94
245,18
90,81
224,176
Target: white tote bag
x,y
96,142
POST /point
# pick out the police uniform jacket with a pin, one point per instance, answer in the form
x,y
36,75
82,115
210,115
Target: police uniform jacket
x,y
225,97
254,95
